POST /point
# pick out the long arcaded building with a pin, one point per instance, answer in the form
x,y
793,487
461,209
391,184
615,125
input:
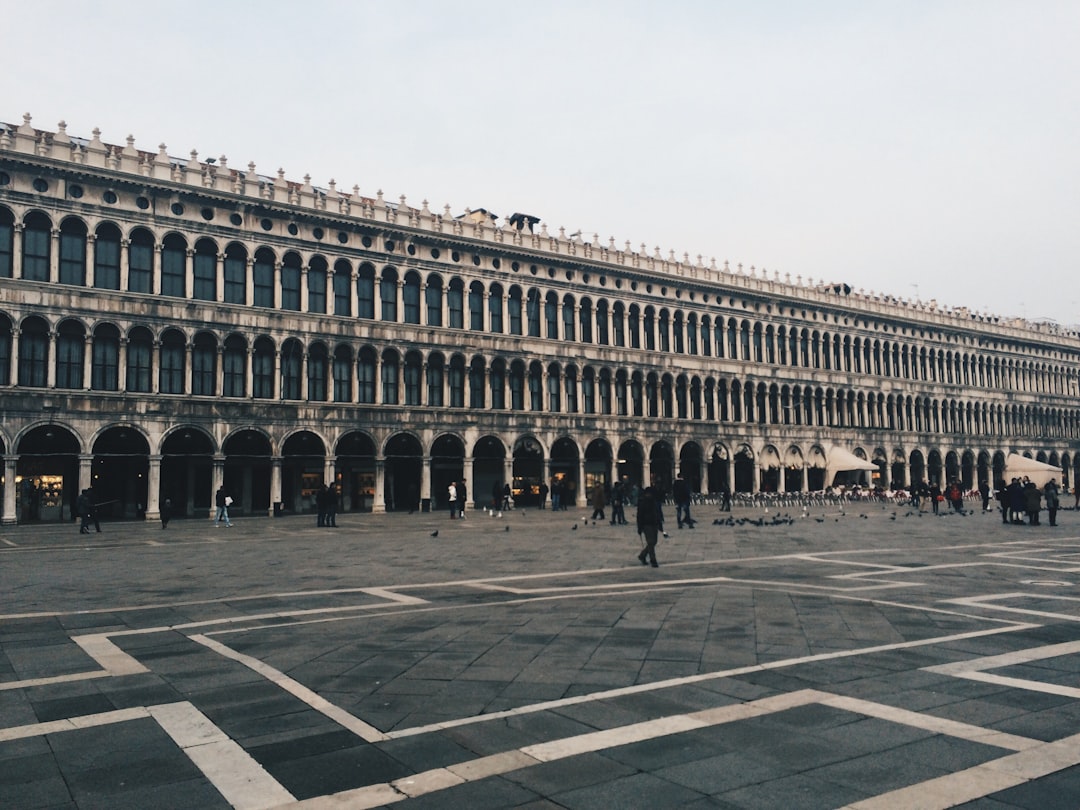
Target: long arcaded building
x,y
171,326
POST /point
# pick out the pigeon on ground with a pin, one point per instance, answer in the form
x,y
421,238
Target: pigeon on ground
x,y
435,533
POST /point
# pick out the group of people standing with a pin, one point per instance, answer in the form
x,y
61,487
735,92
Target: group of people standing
x,y
1022,497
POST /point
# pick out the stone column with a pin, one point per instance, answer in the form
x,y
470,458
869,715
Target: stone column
x,y
216,481
50,372
8,515
275,480
378,505
54,256
153,488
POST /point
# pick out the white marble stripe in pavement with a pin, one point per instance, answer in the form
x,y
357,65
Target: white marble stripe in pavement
x,y
72,723
981,780
934,793
229,768
312,699
691,679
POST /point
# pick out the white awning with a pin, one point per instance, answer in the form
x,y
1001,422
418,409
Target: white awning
x,y
1017,466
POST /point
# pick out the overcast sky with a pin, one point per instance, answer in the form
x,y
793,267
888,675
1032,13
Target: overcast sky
x,y
920,149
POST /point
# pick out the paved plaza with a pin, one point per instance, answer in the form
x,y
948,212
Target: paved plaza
x,y
863,657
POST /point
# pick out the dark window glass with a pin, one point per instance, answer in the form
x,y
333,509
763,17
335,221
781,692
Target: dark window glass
x,y
72,257
233,371
262,372
290,287
410,294
455,301
343,292
139,363
317,290
262,277
35,246
204,368
140,264
69,359
365,377
318,364
433,294
105,362
173,270
388,297
7,245
107,261
292,358
204,287
342,375
365,292
235,272
33,356
171,371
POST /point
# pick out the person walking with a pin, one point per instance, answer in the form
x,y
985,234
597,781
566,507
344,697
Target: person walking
x,y
222,501
648,525
82,506
507,496
1016,501
166,513
680,493
92,512
331,506
543,495
320,506
451,494
1050,493
984,493
597,501
463,495
618,495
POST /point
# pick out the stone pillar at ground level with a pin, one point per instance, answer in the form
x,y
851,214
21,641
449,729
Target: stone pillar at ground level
x,y
7,510
153,485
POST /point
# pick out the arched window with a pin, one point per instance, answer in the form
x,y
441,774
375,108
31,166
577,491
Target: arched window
x,y
174,266
568,330
105,359
532,312
604,389
290,283
141,261
107,257
262,279
318,372
551,316
663,323
621,405
34,353
36,247
262,369
588,390
292,362
435,378
476,306
7,243
433,296
498,384
70,346
410,297
554,380
476,383
602,334
391,366
637,399
204,271
517,385
649,327
365,376
585,320
343,366
495,309
365,292
235,272
204,365
234,367
173,363
388,283
513,310
343,290
571,381
455,303
457,381
140,361
633,327
536,387
316,285
618,325
412,377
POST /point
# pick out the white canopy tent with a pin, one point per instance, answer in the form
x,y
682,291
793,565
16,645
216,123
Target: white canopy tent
x,y
1017,466
840,460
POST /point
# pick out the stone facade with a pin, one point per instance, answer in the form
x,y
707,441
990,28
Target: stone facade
x,y
169,327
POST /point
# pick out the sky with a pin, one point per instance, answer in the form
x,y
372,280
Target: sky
x,y
924,150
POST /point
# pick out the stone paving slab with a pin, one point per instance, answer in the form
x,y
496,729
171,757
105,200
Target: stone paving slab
x,y
874,657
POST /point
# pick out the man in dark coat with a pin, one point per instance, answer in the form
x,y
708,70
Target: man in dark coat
x,y
648,524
